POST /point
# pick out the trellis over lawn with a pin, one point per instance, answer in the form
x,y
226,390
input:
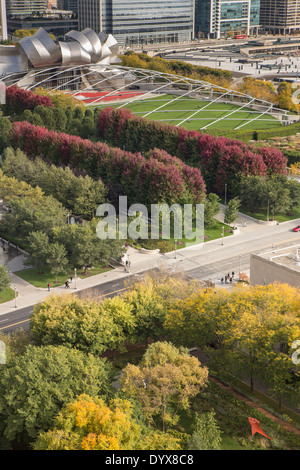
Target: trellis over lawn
x,y
126,86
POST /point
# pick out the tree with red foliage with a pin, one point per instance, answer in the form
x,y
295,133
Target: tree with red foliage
x,y
18,100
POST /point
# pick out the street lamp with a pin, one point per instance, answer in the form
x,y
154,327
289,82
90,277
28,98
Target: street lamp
x,y
75,278
15,288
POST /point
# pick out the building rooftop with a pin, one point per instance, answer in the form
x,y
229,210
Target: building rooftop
x,y
288,257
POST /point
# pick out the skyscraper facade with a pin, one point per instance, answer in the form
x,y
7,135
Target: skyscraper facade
x,y
280,16
220,18
25,7
135,22
70,5
3,21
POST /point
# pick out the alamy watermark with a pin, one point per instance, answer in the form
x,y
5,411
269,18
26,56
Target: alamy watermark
x,y
162,222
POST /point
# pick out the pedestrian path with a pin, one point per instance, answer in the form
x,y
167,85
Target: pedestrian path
x,y
181,259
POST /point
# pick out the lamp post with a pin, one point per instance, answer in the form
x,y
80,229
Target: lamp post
x,y
222,235
75,278
15,288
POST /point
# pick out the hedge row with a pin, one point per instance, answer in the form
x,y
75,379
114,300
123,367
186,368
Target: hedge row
x,y
154,178
221,160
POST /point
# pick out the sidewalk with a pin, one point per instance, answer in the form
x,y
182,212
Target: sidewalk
x,y
28,295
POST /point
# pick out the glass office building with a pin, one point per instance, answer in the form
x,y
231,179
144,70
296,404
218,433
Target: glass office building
x,y
25,7
280,16
134,22
221,18
70,5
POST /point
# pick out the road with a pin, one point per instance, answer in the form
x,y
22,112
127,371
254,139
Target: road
x,y
211,261
215,260
19,319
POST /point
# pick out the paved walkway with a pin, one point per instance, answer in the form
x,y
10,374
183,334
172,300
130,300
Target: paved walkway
x,y
29,295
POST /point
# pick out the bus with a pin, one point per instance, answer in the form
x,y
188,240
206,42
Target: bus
x,y
240,36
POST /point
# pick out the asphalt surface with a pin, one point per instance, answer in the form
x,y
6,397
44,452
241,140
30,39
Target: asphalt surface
x,y
20,318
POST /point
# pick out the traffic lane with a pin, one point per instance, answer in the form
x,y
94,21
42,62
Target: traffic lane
x,y
19,318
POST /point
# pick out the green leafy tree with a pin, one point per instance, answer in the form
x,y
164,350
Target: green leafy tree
x,y
206,434
148,310
37,384
164,382
5,280
232,211
278,196
252,192
5,127
211,209
86,325
28,216
80,194
57,259
38,249
83,246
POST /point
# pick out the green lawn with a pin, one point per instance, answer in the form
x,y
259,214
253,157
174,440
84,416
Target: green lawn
x,y
212,233
32,276
204,112
6,295
261,214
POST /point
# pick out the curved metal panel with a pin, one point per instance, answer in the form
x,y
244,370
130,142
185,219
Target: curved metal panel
x,y
102,36
73,54
89,41
12,60
106,52
81,39
40,49
95,42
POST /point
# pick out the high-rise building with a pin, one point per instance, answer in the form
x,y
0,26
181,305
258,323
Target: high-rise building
x,y
70,5
3,21
280,16
220,18
33,14
135,22
25,7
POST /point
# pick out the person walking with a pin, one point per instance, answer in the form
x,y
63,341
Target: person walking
x,y
49,285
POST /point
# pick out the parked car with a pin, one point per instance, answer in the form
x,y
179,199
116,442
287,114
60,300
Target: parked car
x,y
296,229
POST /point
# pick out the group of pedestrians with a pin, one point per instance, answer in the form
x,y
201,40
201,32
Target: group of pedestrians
x,y
67,284
228,278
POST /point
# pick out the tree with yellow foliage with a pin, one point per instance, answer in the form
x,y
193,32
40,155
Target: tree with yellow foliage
x,y
251,330
88,423
60,99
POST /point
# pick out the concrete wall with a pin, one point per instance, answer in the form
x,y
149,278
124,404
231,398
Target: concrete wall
x,y
263,271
